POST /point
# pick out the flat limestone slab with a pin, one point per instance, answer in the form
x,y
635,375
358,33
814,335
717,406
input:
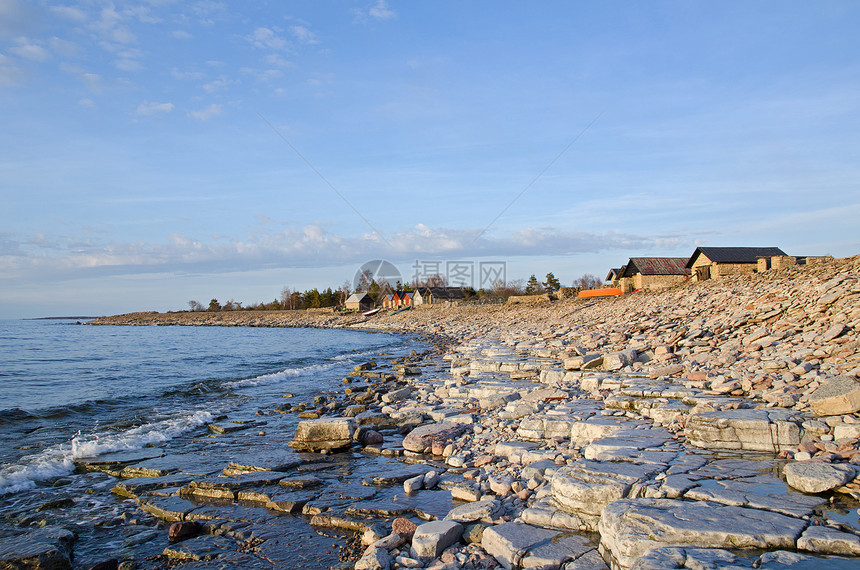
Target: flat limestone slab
x,y
630,527
772,430
762,492
519,545
586,487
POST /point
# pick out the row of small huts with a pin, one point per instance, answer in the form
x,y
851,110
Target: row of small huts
x,y
655,273
361,301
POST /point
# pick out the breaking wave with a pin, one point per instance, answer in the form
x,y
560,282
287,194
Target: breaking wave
x,y
60,460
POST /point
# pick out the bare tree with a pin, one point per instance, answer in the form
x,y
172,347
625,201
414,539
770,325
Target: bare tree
x,y
365,281
196,306
286,295
344,292
588,281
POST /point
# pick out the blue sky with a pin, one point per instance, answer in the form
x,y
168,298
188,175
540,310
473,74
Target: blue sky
x,y
156,152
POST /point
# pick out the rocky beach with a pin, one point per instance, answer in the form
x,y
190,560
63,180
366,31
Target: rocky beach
x,y
716,424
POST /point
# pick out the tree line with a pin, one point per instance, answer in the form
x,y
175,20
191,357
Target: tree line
x,y
290,300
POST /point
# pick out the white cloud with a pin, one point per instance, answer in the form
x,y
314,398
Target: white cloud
x,y
205,114
87,103
64,48
277,61
312,245
93,81
70,13
176,74
266,38
182,35
10,74
151,108
381,11
220,84
263,74
30,51
303,35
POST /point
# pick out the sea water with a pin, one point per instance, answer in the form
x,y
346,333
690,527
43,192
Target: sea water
x,y
70,391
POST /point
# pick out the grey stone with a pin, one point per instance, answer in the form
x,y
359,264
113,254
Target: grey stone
x,y
825,540
326,433
48,548
396,395
510,542
374,559
771,430
586,487
421,439
206,547
840,395
483,510
692,558
763,492
431,538
630,527
590,560
814,477
618,360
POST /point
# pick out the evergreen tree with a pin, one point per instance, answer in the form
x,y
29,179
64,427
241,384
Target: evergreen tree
x,y
551,284
533,286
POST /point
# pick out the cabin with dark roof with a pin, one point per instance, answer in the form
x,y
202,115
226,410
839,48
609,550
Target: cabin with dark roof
x,y
405,298
614,276
359,301
438,295
708,262
653,273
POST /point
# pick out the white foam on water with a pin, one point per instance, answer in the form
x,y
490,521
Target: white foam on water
x,y
276,377
59,460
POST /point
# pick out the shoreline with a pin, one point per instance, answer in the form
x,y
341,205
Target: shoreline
x,y
730,404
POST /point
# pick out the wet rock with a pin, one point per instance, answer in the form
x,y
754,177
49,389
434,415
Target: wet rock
x,y
179,531
112,564
761,492
170,509
324,434
206,547
48,548
813,477
370,437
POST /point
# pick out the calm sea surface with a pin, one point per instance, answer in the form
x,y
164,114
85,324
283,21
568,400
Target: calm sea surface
x,y
69,391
